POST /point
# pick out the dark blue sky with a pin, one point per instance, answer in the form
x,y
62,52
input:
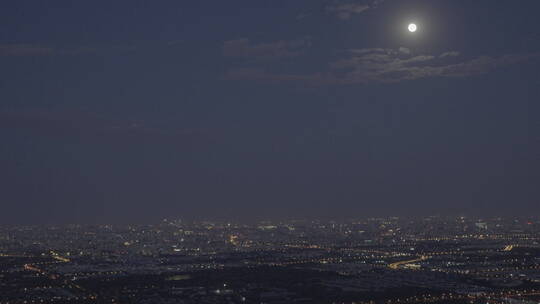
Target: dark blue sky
x,y
138,110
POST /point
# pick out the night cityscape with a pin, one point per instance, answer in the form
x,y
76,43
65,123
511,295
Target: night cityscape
x,y
269,151
374,260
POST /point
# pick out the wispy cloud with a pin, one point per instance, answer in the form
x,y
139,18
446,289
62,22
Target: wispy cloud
x,y
25,50
344,10
30,49
378,65
277,49
62,123
405,50
449,54
388,65
262,75
302,16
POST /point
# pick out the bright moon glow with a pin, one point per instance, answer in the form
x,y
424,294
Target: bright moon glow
x,y
412,27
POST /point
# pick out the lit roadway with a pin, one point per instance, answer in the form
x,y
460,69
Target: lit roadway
x,y
56,256
397,264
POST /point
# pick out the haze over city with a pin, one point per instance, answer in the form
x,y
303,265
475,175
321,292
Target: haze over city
x,y
270,152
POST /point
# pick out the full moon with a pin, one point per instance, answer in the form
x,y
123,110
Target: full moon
x,y
412,27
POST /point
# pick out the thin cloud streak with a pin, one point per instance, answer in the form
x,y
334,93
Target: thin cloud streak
x,y
244,48
377,65
25,50
344,10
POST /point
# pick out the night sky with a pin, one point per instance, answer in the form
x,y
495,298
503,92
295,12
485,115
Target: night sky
x,y
134,111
